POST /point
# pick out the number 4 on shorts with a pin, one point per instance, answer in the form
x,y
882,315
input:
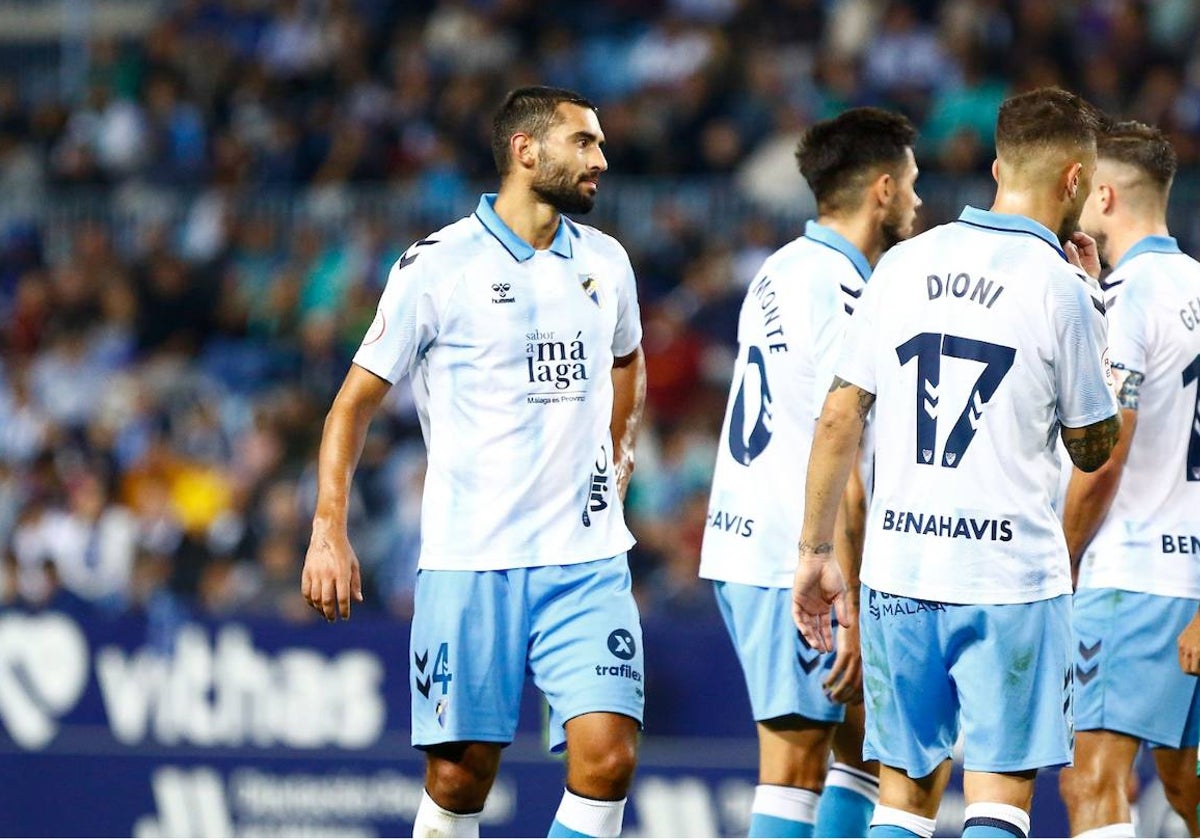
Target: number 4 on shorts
x,y
441,667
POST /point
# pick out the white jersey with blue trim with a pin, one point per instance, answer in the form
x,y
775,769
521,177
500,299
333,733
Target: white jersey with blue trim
x,y
1150,540
978,339
789,334
510,351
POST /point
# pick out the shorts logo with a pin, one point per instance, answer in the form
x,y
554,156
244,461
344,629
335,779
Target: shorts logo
x,y
440,674
622,645
502,293
809,665
443,705
881,604
1086,675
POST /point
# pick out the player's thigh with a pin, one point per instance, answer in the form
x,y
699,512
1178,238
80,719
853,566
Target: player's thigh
x,y
466,658
784,676
1012,667
1126,644
848,740
910,699
793,751
585,641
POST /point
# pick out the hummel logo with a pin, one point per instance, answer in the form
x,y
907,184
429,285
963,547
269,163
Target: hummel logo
x,y
502,293
421,660
809,665
1087,676
1088,652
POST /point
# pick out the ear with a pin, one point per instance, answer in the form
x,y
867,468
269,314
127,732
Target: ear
x,y
883,188
523,149
996,170
1070,181
1107,198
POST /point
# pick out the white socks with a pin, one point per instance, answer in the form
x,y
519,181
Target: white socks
x,y
591,817
786,803
920,826
435,821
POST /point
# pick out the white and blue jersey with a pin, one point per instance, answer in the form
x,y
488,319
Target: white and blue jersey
x,y
1139,580
1150,540
510,351
789,335
978,339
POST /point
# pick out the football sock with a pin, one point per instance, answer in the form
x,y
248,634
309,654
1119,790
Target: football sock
x,y
781,811
581,817
995,819
847,803
892,822
435,821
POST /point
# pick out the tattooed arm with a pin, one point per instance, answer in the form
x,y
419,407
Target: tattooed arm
x,y
819,580
1092,490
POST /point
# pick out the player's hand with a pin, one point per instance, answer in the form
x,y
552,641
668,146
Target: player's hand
x,y
1081,250
1189,647
331,574
844,683
818,586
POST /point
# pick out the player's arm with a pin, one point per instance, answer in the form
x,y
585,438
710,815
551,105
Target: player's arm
x,y
331,573
629,398
844,683
819,579
1090,495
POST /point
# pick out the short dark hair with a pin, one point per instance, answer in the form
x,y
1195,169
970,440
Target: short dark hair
x,y
531,110
1141,146
1047,116
834,154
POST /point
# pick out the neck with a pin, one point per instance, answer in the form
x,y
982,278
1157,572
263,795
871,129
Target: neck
x,y
1041,208
861,230
1127,232
526,215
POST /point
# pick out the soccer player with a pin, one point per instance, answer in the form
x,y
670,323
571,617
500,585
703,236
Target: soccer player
x,y
977,343
520,331
1133,525
861,169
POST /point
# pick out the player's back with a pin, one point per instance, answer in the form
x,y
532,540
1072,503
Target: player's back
x,y
790,325
978,338
1154,522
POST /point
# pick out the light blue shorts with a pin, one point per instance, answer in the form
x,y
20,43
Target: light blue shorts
x,y
1127,674
1002,673
783,674
476,634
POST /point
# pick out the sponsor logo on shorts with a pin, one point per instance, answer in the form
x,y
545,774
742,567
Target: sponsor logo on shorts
x,y
883,605
621,644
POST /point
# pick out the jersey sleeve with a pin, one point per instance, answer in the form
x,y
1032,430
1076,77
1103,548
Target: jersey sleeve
x,y
1083,378
856,361
1127,324
628,334
406,322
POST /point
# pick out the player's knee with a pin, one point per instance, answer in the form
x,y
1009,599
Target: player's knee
x,y
604,774
460,784
1082,784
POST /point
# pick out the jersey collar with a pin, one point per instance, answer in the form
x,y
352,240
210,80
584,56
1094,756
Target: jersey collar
x,y
1150,245
830,238
1010,223
515,245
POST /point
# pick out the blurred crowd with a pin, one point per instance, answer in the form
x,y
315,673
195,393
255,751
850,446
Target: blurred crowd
x,y
162,391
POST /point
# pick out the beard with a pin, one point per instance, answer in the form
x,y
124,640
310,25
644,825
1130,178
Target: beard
x,y
559,187
892,229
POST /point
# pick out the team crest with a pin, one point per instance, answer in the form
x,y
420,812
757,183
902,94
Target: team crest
x,y
591,287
